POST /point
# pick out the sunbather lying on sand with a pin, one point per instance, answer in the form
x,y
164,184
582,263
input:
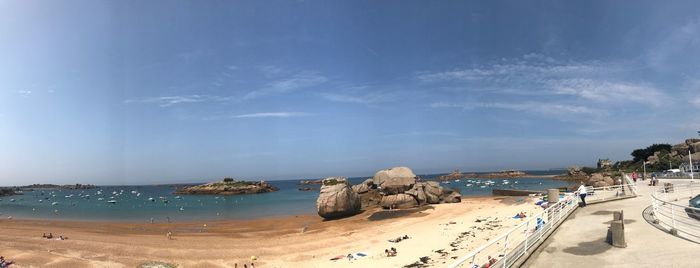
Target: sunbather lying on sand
x,y
5,263
398,239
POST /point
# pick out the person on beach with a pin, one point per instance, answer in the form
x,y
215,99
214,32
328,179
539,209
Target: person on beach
x,y
169,235
634,176
582,194
491,261
4,263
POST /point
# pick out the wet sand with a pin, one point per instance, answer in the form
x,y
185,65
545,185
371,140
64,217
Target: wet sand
x,y
296,241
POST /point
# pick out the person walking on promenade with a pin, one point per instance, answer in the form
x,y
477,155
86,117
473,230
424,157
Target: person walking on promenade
x,y
582,194
634,176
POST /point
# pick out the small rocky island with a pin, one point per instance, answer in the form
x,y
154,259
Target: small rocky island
x,y
229,186
7,192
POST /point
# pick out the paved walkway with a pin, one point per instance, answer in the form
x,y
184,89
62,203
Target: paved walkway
x,y
580,241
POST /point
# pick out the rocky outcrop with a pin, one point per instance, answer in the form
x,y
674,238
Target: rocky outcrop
x,y
395,172
364,187
310,182
599,180
455,175
397,185
337,199
453,197
399,191
7,192
398,201
504,174
228,187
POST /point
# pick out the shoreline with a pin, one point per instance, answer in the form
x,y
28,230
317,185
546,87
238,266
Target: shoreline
x,y
185,221
294,241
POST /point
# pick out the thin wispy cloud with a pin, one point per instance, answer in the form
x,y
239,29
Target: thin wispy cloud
x,y
288,84
271,115
605,91
534,74
549,109
168,101
24,92
366,98
695,102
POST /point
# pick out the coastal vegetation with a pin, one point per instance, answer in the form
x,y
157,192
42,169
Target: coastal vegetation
x,y
658,157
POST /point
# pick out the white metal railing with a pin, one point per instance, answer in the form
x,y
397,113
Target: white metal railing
x,y
672,212
600,194
506,249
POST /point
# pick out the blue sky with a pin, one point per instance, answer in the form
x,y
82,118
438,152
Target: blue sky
x,y
116,92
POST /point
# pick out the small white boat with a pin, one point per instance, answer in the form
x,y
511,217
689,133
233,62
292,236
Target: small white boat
x,y
12,200
483,186
182,209
41,200
151,199
112,201
134,192
469,185
54,203
100,199
456,180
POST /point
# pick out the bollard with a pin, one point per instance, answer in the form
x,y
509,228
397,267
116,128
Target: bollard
x,y
618,215
552,196
617,229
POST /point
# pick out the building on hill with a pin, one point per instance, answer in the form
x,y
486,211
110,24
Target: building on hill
x,y
685,167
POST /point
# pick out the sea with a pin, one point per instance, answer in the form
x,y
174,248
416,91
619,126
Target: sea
x,y
141,203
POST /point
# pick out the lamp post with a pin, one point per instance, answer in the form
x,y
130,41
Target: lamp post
x,y
690,161
644,177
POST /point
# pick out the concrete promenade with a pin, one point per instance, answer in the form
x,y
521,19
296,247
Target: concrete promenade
x,y
581,240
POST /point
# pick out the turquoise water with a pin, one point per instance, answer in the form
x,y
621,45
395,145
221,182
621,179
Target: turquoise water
x,y
136,206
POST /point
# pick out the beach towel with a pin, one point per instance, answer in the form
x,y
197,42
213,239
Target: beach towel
x,y
360,255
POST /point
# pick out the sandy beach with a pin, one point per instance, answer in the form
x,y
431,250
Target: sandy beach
x,y
277,242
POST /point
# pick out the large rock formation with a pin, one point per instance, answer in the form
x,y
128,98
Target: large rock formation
x,y
337,199
599,180
364,187
399,201
396,190
229,186
397,185
395,172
